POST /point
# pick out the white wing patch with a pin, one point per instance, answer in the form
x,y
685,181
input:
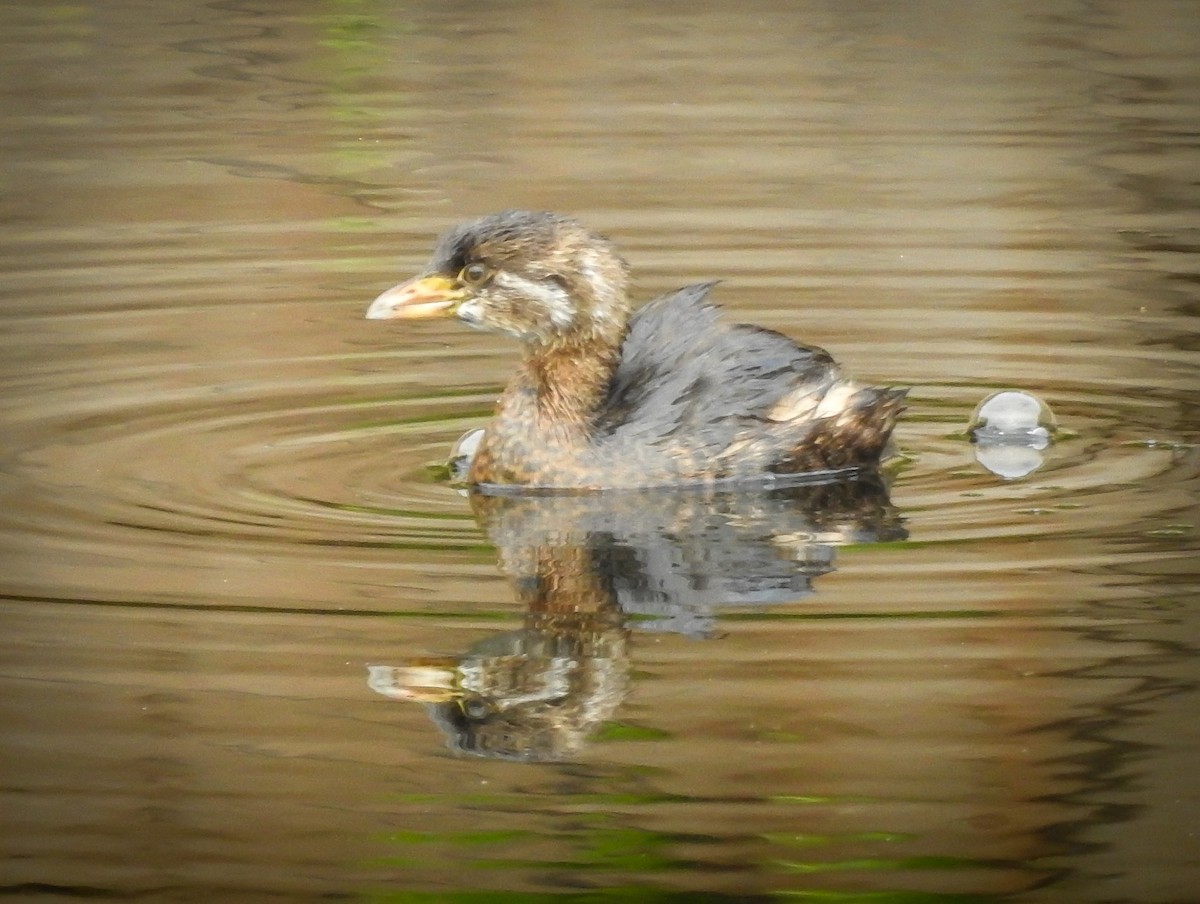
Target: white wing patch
x,y
805,403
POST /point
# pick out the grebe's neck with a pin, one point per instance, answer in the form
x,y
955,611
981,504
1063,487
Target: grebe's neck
x,y
567,382
547,413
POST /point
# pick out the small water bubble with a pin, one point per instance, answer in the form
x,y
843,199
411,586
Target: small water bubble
x,y
463,454
1013,416
1010,429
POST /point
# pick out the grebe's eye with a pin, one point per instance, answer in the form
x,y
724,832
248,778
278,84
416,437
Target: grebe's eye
x,y
475,275
474,708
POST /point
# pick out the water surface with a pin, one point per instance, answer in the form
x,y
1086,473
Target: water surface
x,y
254,648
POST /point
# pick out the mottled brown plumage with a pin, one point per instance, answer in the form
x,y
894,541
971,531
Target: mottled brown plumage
x,y
606,399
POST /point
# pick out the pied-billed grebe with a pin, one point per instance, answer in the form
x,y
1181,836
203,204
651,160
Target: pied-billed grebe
x,y
606,399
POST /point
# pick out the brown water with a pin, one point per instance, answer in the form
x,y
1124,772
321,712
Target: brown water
x,y
218,510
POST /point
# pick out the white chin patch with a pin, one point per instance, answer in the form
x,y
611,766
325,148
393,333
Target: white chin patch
x,y
549,297
471,313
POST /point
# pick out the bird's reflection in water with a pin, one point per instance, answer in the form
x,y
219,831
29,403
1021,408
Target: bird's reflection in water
x,y
588,568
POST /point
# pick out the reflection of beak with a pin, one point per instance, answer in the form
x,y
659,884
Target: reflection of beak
x,y
427,681
418,299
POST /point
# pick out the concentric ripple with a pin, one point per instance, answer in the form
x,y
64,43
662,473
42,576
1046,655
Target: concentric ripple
x,y
151,468
1100,471
318,451
286,463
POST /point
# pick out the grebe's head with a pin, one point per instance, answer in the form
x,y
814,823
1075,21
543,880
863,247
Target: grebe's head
x,y
540,277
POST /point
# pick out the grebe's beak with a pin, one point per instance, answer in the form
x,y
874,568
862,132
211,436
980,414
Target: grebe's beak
x,y
418,299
